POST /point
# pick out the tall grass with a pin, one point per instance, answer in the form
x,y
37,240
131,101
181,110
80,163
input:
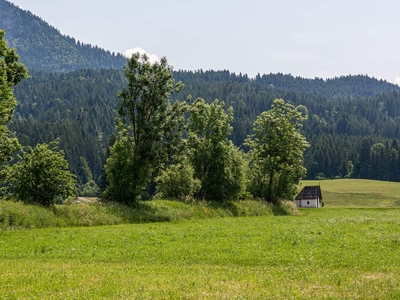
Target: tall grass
x,y
19,215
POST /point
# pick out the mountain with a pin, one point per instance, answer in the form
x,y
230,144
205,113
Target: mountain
x,y
79,107
42,47
353,124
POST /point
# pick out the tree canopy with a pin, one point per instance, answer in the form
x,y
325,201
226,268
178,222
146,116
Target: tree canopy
x,y
145,122
11,73
217,163
276,152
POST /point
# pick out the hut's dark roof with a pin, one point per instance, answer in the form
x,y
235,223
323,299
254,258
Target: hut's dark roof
x,y
310,192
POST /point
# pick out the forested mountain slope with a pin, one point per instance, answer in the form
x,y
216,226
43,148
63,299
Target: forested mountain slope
x,y
353,125
360,85
80,107
42,47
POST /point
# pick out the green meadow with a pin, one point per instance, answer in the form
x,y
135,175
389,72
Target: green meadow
x,y
358,192
342,251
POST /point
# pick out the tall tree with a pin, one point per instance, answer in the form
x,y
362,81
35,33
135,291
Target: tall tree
x,y
217,163
11,73
276,152
145,122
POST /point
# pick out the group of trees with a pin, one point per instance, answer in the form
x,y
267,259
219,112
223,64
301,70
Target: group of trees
x,y
41,174
342,112
79,108
163,148
71,95
182,149
353,124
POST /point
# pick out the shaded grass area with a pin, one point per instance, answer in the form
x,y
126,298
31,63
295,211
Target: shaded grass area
x,y
339,253
17,215
357,192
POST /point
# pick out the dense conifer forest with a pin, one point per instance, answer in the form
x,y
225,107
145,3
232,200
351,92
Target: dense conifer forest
x,y
352,126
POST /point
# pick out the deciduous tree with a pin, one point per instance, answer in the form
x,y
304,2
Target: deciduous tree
x,y
11,73
217,163
147,128
276,152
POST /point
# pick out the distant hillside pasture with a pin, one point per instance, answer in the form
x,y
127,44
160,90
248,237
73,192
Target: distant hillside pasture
x,y
357,192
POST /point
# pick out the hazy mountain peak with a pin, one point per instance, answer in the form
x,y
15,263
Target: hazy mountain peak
x,y
43,47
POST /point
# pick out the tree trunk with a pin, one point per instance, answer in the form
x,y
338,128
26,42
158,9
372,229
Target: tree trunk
x,y
268,196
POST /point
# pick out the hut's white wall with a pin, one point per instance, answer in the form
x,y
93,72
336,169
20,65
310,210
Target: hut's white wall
x,y
308,203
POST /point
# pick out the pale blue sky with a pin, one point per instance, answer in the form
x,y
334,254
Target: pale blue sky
x,y
309,38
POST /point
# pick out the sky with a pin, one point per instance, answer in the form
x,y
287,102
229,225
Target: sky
x,y
307,38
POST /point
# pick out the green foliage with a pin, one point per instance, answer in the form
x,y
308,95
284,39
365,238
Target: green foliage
x,y
147,128
217,163
85,174
369,195
79,107
122,172
177,182
285,208
41,176
276,153
11,73
8,145
89,189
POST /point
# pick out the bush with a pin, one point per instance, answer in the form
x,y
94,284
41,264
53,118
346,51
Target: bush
x,y
177,182
89,189
320,176
41,176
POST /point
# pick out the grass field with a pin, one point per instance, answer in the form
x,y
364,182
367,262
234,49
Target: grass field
x,y
336,253
358,192
330,253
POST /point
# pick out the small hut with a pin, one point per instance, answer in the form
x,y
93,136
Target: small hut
x,y
310,196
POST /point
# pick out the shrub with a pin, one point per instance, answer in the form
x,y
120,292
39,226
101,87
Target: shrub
x,y
41,176
177,182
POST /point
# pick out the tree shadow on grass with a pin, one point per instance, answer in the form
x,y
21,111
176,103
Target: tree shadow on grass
x,y
142,212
